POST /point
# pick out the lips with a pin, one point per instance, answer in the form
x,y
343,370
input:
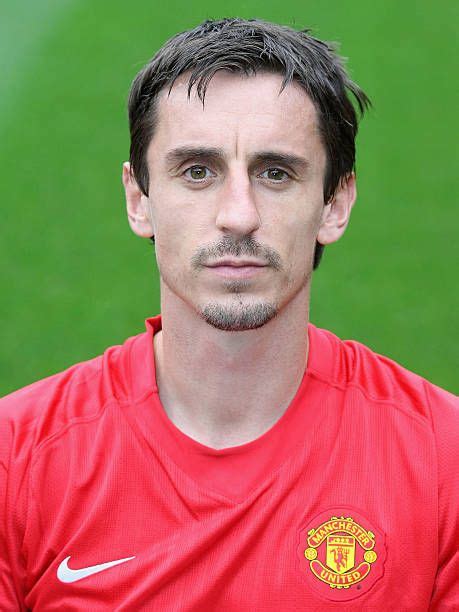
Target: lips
x,y
236,269
236,264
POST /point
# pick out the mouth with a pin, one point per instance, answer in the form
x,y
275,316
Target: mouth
x,y
237,263
236,268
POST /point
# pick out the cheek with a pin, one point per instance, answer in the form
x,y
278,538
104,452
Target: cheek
x,y
168,219
179,228
300,242
169,245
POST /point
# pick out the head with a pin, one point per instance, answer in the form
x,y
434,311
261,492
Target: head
x,y
217,60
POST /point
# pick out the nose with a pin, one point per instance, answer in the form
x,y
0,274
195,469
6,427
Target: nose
x,y
237,212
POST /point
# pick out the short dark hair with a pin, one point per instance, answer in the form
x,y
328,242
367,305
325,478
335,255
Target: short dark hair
x,y
249,47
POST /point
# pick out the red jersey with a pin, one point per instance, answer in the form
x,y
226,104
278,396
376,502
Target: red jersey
x,y
349,502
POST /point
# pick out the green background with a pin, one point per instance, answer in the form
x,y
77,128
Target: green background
x,y
75,279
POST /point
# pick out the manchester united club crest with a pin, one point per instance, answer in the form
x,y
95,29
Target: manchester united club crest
x,y
342,555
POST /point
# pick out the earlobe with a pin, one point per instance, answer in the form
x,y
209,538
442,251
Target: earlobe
x,y
337,212
137,204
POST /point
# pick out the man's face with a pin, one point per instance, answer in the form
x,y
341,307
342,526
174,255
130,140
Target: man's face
x,y
236,197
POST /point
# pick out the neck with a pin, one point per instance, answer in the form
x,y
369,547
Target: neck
x,y
227,388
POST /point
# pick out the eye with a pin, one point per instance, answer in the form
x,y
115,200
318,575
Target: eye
x,y
275,174
198,173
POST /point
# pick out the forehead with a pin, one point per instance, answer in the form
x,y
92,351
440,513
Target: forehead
x,y
240,113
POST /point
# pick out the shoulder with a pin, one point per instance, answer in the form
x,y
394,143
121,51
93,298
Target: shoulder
x,y
349,364
33,414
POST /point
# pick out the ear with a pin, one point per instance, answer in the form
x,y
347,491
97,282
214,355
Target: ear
x,y
137,203
336,213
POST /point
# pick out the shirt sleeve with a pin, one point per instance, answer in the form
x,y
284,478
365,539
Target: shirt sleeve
x,y
445,419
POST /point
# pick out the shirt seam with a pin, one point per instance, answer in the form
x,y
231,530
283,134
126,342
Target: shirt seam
x,y
424,420
68,425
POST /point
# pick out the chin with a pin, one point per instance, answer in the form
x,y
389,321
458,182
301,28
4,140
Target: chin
x,y
238,317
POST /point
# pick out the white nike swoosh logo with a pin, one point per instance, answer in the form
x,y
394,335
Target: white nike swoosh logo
x,y
66,574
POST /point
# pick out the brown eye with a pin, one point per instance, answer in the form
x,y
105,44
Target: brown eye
x,y
275,174
197,173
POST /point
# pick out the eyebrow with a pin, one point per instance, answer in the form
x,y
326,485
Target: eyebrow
x,y
181,154
284,159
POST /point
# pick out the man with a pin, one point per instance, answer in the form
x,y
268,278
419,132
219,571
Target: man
x,y
234,457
